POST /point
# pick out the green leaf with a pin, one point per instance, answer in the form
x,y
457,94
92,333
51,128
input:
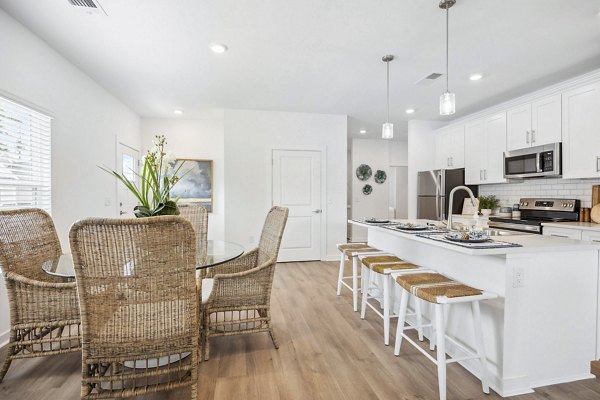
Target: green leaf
x,y
142,212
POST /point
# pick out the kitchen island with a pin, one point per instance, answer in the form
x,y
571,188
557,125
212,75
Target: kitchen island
x,y
543,327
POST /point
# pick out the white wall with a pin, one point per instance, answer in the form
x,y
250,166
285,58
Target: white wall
x,y
421,156
197,139
250,136
86,121
376,154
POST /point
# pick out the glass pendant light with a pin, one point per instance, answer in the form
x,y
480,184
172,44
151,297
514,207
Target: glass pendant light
x,y
387,129
447,99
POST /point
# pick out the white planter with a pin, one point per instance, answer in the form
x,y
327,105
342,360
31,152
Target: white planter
x,y
486,212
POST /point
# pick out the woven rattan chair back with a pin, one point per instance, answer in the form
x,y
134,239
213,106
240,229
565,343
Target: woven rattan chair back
x,y
272,232
27,239
197,214
139,302
44,311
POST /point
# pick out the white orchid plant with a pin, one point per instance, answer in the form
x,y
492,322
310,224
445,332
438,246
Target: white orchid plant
x,y
156,181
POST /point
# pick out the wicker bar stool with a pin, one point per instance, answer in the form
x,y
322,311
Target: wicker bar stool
x,y
350,252
440,290
377,271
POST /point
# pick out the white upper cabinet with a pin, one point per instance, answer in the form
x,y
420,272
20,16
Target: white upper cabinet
x,y
534,124
485,143
450,148
581,132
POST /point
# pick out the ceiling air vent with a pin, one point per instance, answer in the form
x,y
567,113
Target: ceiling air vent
x,y
88,6
429,79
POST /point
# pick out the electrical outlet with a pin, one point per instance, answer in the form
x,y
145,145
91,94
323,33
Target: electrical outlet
x,y
518,278
107,201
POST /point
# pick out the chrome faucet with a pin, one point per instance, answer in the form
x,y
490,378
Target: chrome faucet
x,y
473,201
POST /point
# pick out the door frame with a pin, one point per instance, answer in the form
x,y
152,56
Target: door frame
x,y
119,141
269,187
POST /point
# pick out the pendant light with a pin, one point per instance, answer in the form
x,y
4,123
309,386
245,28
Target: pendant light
x,y
447,99
387,130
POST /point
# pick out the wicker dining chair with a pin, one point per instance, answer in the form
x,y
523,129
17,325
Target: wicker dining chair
x,y
139,305
44,312
197,214
237,294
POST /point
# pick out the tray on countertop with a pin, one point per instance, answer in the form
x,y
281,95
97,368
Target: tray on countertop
x,y
490,244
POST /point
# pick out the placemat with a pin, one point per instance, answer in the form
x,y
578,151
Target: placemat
x,y
485,245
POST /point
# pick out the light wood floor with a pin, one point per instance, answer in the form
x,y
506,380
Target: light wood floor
x,y
327,352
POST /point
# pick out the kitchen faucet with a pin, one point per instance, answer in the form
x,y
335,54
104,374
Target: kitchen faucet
x,y
473,201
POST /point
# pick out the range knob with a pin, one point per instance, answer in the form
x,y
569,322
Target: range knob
x,y
570,205
564,204
525,203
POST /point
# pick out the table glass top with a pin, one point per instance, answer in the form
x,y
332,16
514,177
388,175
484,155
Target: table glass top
x,y
214,253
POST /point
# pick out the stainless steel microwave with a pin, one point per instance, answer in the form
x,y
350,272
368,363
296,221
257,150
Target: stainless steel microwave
x,y
534,162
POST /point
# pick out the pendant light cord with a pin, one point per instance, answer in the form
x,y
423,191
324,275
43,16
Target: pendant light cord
x,y
388,91
447,22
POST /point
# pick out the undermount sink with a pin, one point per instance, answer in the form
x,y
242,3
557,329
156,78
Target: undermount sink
x,y
489,231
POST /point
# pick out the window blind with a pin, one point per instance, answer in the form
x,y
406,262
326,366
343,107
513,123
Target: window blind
x,y
25,137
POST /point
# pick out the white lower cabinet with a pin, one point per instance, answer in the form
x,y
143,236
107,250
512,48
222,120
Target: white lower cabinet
x,y
590,236
562,232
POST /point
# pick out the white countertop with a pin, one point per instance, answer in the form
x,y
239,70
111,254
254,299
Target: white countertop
x,y
585,226
530,243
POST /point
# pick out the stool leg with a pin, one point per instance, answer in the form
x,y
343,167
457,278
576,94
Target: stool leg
x,y
365,281
441,349
432,329
419,318
386,309
480,346
341,273
401,318
355,283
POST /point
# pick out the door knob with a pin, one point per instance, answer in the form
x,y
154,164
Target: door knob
x,y
122,212
317,211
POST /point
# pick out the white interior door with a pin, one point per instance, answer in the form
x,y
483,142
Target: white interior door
x,y
297,186
128,165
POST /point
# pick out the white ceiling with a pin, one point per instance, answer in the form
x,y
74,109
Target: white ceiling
x,y
319,56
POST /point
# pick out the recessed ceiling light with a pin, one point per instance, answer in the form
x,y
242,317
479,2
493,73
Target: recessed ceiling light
x,y
177,112
218,48
475,77
410,111
362,131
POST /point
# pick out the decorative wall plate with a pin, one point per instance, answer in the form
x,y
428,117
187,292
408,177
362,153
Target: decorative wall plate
x,y
363,172
380,176
367,189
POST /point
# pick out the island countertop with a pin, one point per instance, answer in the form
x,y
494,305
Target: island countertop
x,y
529,243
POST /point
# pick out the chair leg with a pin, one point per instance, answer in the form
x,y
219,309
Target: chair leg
x,y
7,362
271,333
480,345
386,309
441,350
419,318
432,329
365,282
341,273
355,283
401,319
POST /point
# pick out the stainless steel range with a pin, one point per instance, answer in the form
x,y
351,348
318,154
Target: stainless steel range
x,y
536,211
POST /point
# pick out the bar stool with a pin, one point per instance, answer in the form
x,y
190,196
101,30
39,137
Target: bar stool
x,y
439,290
380,267
350,251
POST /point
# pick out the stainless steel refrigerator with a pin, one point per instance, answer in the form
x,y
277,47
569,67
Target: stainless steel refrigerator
x,y
433,189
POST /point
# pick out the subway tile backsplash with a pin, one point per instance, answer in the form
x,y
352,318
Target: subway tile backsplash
x,y
510,193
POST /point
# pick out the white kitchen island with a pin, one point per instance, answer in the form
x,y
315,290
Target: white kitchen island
x,y
543,327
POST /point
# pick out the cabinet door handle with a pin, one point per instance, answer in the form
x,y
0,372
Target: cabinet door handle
x,y
597,164
451,161
485,174
527,137
561,236
447,161
532,136
480,174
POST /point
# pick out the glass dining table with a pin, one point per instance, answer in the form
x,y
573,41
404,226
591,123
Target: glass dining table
x,y
215,253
